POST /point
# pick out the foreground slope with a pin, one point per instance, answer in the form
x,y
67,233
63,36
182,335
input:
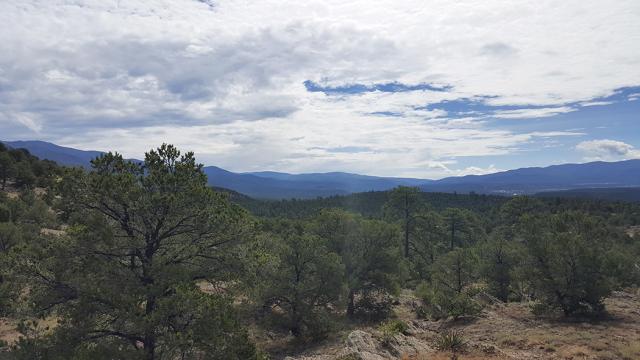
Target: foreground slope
x,y
501,332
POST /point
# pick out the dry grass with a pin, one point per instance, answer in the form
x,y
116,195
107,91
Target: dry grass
x,y
10,334
519,335
630,351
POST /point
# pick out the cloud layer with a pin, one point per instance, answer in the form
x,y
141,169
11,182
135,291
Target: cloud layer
x,y
607,150
310,86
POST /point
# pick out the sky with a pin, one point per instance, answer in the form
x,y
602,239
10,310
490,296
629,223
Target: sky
x,y
424,88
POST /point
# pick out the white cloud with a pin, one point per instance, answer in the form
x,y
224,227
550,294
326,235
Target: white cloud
x,y
25,120
532,113
474,170
606,149
225,78
395,147
596,103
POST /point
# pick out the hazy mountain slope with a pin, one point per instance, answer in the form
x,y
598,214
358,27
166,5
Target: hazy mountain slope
x,y
268,188
266,185
537,179
60,154
345,181
276,185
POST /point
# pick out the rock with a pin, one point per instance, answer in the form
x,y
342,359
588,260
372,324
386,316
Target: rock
x,y
349,354
487,300
426,325
313,357
362,346
407,345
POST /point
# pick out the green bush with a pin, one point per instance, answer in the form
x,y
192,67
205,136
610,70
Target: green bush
x,y
440,304
389,329
373,306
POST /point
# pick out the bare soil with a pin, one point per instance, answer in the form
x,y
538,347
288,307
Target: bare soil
x,y
503,331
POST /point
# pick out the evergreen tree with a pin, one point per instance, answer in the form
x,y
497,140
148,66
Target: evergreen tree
x,y
369,251
7,168
123,282
449,293
403,204
501,257
463,226
298,279
24,176
568,257
430,241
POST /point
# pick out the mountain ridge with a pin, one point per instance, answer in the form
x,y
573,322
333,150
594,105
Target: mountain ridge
x,y
280,185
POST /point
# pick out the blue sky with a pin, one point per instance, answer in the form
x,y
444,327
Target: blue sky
x,y
618,117
396,88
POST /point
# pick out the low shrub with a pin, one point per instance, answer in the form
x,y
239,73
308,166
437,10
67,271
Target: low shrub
x,y
373,306
438,304
389,329
451,340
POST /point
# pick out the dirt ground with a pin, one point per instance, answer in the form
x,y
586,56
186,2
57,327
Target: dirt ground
x,y
503,331
507,331
517,334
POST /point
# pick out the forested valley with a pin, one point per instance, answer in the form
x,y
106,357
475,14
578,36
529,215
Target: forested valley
x,y
133,260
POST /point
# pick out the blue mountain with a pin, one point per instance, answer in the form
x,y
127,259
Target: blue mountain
x,y
597,174
60,154
277,185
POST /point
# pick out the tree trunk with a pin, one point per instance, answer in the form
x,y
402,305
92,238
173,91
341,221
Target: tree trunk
x,y
459,275
149,337
453,233
295,325
406,239
351,305
150,349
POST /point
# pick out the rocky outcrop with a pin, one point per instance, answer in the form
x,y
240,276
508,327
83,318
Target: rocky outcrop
x,y
361,345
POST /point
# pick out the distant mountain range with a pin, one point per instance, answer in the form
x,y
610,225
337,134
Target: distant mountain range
x,y
276,185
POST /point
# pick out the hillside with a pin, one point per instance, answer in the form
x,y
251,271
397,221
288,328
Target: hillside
x,y
278,185
60,154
